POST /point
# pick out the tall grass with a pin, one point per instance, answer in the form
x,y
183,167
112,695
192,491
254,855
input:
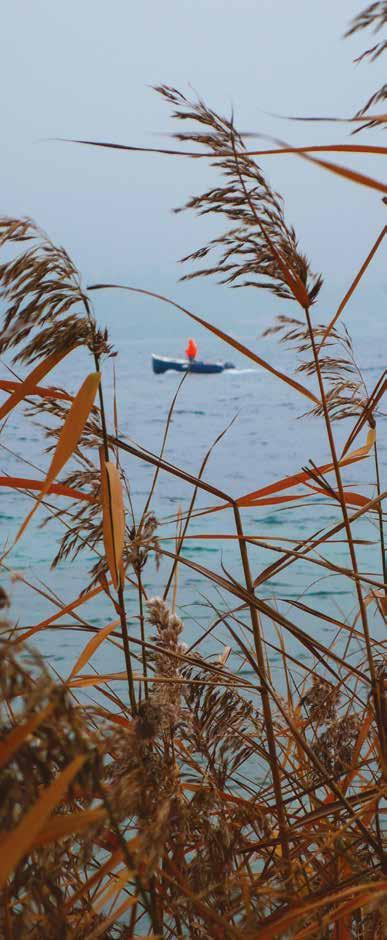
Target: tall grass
x,y
192,797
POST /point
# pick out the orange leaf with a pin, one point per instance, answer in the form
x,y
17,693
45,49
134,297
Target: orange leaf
x,y
80,682
69,437
7,386
321,148
114,719
113,518
61,826
92,646
348,174
59,613
20,732
23,483
304,476
74,424
256,497
29,384
18,843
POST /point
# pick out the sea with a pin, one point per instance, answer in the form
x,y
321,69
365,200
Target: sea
x,y
267,437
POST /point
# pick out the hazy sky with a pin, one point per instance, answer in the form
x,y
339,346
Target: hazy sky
x,y
83,68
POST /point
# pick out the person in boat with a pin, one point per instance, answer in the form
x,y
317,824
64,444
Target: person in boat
x,y
192,350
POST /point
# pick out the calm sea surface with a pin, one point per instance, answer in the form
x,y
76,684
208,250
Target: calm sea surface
x,y
267,441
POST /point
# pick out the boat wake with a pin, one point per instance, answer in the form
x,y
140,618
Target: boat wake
x,y
240,371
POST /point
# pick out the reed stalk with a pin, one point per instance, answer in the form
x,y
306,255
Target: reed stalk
x,y
274,764
347,525
120,588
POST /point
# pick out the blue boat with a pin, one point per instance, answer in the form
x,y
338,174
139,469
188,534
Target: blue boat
x,y
162,364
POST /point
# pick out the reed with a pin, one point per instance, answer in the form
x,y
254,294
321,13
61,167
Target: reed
x,y
188,793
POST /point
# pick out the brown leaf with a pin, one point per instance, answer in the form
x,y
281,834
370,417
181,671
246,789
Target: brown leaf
x,y
113,518
92,646
69,437
28,386
18,843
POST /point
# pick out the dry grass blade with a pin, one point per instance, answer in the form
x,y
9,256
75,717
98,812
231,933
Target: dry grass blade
x,y
24,483
258,497
113,918
217,332
61,827
92,646
366,416
68,439
184,529
44,392
378,118
28,386
113,518
347,173
353,286
18,843
364,893
15,738
195,154
63,610
268,610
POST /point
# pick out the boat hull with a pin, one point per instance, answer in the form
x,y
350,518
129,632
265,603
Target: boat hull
x,y
161,364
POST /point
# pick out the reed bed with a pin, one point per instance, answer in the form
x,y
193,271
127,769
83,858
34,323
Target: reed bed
x,y
192,797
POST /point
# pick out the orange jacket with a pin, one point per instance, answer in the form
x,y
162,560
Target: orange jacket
x,y
191,350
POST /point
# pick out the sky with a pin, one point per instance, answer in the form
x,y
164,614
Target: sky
x,y
84,68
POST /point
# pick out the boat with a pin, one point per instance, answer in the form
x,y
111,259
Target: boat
x,y
162,364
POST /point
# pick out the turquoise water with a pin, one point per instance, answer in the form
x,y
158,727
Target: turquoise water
x,y
267,441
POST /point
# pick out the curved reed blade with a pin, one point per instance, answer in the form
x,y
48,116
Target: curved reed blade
x,y
353,286
160,151
30,385
20,840
217,332
68,439
92,646
24,483
113,514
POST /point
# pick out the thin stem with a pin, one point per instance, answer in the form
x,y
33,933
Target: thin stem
x,y
125,639
380,514
97,366
282,824
142,628
149,904
120,591
347,527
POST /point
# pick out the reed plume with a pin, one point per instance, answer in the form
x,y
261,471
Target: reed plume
x,y
373,18
249,250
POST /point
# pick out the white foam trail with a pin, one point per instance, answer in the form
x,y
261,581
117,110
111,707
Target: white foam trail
x,y
239,371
